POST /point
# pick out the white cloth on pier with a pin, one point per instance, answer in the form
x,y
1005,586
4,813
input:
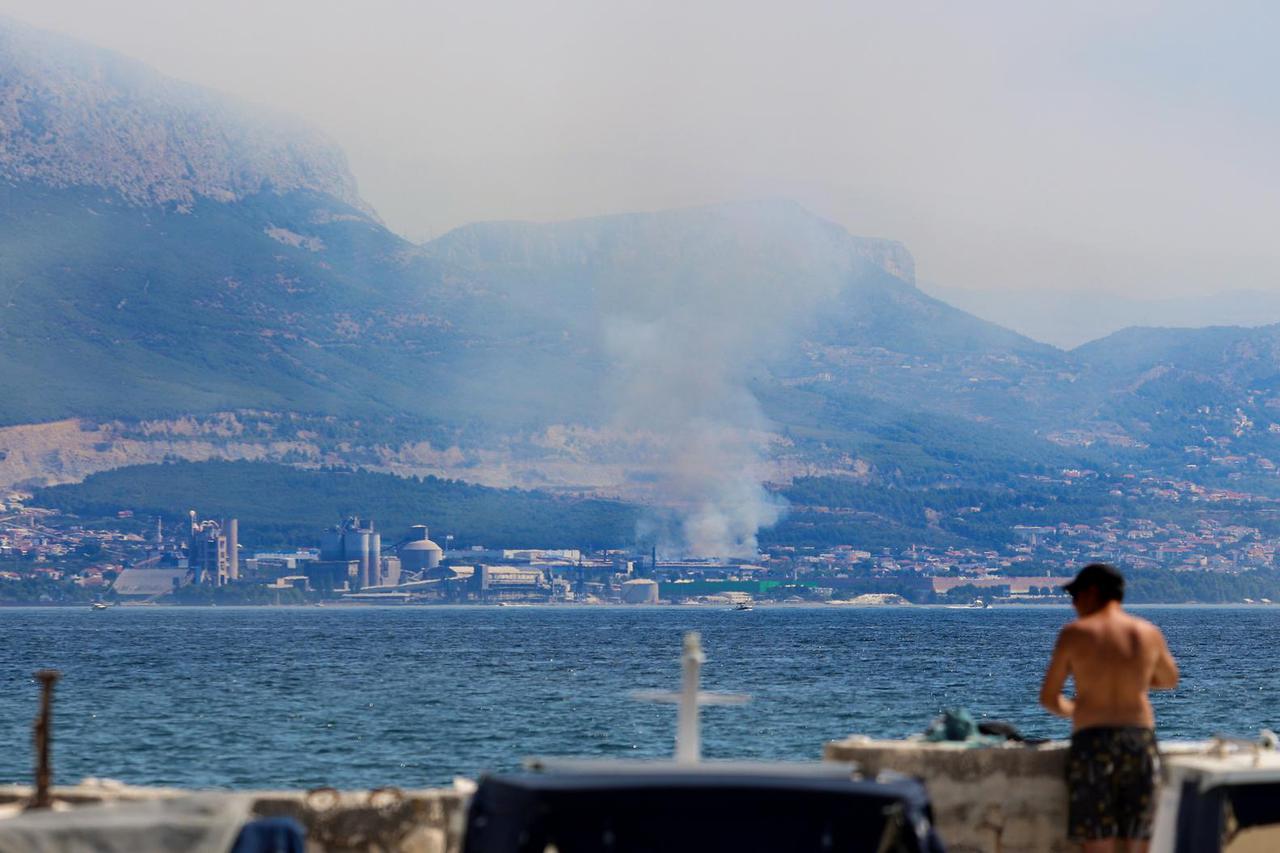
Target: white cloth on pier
x,y
202,823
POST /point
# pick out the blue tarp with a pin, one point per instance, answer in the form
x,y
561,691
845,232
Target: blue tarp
x,y
677,812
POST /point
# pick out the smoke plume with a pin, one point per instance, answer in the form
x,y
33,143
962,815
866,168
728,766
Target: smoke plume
x,y
685,342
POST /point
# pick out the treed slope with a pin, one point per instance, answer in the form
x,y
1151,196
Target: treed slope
x,y
1216,388
114,310
1242,355
281,505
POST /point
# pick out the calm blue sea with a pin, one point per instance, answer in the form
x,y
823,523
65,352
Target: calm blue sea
x,y
414,696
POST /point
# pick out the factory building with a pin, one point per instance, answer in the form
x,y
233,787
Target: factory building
x,y
490,583
354,541
331,576
418,554
213,550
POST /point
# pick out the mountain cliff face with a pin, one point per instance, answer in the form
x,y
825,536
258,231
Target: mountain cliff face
x,y
76,116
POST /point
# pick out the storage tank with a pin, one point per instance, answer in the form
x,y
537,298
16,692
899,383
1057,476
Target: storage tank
x,y
418,553
355,545
640,591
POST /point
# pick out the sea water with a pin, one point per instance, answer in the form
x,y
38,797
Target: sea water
x,y
412,696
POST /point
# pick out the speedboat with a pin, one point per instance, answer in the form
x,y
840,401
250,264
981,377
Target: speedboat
x,y
744,605
99,605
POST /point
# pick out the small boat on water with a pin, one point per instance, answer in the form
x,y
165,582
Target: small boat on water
x,y
744,605
979,604
99,605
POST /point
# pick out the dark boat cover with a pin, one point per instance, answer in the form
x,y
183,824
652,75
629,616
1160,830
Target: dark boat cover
x,y
1205,817
676,812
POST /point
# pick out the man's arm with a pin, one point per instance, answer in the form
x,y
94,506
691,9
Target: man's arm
x,y
1165,675
1055,678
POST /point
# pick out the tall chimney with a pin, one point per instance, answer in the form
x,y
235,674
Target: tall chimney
x,y
375,558
233,549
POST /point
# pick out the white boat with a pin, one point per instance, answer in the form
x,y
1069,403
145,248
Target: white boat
x,y
743,605
1222,800
99,605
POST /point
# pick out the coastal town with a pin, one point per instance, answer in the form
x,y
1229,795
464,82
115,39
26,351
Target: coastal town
x,y
48,557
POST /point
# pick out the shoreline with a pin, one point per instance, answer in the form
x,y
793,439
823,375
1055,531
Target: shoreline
x,y
825,606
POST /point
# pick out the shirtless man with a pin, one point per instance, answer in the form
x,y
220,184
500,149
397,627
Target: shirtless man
x,y
1115,659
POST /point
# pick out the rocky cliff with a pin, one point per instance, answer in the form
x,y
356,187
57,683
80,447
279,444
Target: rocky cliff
x,y
76,116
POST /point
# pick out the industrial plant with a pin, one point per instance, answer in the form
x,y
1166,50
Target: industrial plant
x,y
354,561
213,550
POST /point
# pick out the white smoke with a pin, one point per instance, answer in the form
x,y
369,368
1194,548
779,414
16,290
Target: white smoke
x,y
687,336
684,384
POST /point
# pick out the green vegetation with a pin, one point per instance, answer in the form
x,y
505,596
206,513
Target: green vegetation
x,y
1157,587
118,311
41,590
833,510
279,505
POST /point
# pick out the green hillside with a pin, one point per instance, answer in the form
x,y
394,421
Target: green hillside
x,y
278,505
113,310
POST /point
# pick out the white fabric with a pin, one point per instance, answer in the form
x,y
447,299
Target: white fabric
x,y
201,823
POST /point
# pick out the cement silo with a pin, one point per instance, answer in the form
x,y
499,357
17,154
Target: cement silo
x,y
375,557
418,553
357,543
355,546
233,549
640,591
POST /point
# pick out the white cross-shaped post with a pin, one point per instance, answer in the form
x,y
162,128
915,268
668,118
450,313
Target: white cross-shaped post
x,y
689,699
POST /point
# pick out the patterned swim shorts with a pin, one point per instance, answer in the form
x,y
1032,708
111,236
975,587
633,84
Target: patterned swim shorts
x,y
1111,779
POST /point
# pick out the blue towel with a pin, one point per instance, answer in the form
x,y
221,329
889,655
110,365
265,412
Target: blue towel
x,y
271,835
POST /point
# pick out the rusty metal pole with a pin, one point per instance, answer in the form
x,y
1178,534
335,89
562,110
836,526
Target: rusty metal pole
x,y
43,736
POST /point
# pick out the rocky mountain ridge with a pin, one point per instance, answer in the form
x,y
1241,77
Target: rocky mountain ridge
x,y
72,115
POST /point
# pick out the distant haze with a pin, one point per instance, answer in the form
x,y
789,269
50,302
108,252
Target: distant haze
x,y
1119,152
1064,319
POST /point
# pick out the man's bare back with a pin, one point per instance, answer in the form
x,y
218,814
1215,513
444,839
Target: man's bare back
x,y
1114,658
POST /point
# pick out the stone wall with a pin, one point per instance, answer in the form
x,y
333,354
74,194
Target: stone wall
x,y
1002,799
1009,799
426,820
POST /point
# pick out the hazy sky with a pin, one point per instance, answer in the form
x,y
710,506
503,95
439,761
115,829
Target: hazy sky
x,y
1126,147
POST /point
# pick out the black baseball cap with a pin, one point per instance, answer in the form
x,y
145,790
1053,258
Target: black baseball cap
x,y
1104,577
